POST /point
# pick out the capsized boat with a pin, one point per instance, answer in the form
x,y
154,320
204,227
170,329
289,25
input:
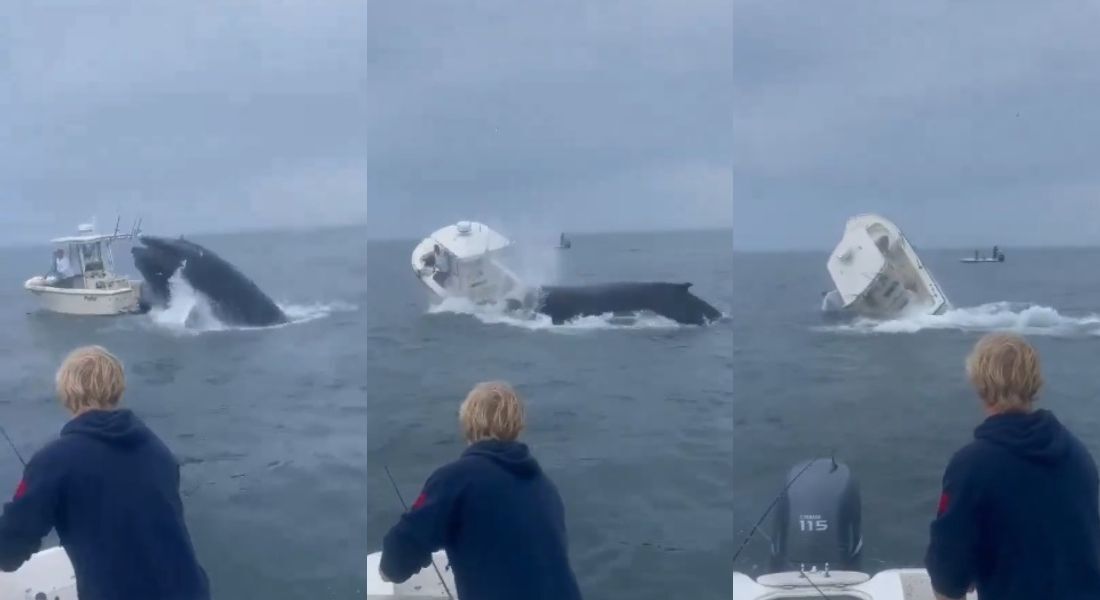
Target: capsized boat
x,y
878,275
47,574
424,585
463,261
87,284
817,543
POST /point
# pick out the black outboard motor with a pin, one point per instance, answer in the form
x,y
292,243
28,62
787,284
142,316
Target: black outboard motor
x,y
817,520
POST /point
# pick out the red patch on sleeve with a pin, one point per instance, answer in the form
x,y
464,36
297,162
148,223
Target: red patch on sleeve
x,y
943,504
21,489
420,500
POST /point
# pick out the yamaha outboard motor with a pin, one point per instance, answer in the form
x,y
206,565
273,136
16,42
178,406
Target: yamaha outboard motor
x,y
817,519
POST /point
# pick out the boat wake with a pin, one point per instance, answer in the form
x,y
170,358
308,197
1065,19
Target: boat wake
x,y
1022,318
189,312
497,315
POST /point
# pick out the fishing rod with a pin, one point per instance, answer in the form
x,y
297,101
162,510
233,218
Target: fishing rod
x,y
13,448
397,491
775,501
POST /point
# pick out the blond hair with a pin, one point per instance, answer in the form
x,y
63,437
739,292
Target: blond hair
x,y
1004,369
491,411
90,378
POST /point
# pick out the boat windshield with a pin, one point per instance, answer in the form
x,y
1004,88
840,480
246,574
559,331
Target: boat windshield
x,y
91,256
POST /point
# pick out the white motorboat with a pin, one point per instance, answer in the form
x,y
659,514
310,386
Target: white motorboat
x,y
425,585
817,542
88,286
463,261
877,273
47,575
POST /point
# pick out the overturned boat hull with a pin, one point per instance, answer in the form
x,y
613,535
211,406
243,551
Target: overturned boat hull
x,y
878,274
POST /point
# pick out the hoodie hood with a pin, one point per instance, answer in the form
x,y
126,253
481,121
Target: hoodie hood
x,y
513,457
116,427
1036,436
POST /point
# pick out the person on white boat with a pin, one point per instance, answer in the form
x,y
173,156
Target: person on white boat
x,y
443,266
62,273
494,510
110,488
1018,516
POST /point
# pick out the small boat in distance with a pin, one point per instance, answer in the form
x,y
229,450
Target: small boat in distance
x,y
878,275
996,257
817,542
82,280
564,243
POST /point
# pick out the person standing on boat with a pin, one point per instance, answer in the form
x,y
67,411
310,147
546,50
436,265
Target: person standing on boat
x,y
493,510
110,488
62,269
442,266
1018,516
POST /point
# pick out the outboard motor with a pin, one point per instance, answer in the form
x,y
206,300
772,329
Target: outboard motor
x,y
817,519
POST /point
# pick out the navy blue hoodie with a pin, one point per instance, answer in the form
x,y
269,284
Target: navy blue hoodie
x,y
111,489
501,521
1018,517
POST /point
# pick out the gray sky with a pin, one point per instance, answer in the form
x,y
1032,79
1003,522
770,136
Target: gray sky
x,y
571,115
198,116
965,122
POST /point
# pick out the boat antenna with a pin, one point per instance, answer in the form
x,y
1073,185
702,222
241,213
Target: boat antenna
x,y
13,448
397,491
775,501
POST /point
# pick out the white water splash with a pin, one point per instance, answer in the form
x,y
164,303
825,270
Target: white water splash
x,y
189,312
1028,319
496,315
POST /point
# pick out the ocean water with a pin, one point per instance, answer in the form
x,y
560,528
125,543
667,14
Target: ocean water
x,y
269,424
631,420
891,399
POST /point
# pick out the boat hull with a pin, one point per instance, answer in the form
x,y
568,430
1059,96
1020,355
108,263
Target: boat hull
x,y
47,572
85,302
424,585
892,584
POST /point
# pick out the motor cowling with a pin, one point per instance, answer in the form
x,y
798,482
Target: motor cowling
x,y
817,519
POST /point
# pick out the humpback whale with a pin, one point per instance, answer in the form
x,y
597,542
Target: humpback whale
x,y
234,298
670,300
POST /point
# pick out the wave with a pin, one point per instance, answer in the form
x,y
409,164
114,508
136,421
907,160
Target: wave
x,y
189,312
496,315
1029,319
